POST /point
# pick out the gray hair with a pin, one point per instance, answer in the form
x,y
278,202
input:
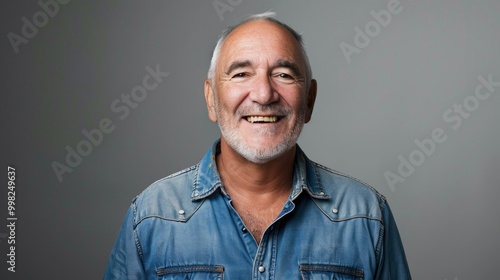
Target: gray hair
x,y
269,16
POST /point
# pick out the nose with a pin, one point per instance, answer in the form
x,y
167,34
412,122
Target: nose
x,y
263,91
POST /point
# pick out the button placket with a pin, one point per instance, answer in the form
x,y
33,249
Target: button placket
x,y
265,260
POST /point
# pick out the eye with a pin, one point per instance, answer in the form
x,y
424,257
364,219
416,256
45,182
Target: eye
x,y
240,75
284,76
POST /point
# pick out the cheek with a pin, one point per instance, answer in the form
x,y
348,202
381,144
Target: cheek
x,y
226,106
295,100
231,99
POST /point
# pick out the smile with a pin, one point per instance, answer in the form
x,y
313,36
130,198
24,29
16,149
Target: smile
x,y
262,119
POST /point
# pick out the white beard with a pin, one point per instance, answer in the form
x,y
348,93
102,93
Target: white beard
x,y
260,155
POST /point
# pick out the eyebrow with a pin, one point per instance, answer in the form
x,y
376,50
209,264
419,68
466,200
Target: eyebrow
x,y
290,65
236,65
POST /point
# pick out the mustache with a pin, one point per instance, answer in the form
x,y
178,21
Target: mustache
x,y
270,109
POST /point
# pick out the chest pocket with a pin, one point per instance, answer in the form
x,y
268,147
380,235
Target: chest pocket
x,y
194,272
329,272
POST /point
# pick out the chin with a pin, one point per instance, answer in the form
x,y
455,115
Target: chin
x,y
261,155
261,148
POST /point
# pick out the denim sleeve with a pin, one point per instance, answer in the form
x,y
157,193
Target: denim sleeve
x,y
392,263
125,260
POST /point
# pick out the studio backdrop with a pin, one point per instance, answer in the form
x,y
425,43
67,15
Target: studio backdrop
x,y
102,98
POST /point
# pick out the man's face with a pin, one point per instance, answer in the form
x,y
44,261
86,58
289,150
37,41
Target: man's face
x,y
259,96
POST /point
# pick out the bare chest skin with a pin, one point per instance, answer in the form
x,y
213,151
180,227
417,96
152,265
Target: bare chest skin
x,y
258,209
258,191
257,217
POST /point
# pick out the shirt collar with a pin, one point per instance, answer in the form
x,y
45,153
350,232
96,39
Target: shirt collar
x,y
305,178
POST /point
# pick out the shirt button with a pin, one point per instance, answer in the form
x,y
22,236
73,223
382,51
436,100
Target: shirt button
x,y
244,229
335,210
262,269
182,212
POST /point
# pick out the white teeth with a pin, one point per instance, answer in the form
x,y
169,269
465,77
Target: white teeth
x,y
253,119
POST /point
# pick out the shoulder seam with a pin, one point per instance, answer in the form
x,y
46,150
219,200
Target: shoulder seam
x,y
381,196
178,173
173,175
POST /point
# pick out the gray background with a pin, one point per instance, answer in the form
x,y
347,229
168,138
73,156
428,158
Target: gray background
x,y
368,113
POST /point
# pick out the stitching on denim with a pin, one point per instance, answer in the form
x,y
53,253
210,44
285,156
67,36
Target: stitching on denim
x,y
379,195
196,183
136,236
211,191
172,219
304,160
332,268
190,269
259,256
378,251
187,170
196,177
297,188
176,174
318,179
274,251
134,210
347,218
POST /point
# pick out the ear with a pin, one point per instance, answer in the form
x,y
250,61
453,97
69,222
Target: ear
x,y
209,98
311,98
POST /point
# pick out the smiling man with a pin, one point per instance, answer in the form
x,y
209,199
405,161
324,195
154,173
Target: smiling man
x,y
256,207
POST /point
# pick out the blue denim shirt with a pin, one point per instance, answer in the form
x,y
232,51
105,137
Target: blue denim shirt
x,y
331,227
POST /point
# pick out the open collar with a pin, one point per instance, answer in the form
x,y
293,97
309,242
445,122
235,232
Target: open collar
x,y
207,179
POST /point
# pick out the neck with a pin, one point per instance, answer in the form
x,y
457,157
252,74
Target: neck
x,y
258,191
252,179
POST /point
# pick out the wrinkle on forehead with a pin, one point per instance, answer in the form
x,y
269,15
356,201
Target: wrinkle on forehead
x,y
265,38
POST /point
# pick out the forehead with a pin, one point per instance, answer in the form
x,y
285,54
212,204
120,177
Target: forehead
x,y
260,38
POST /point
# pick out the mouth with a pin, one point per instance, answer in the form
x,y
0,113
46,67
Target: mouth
x,y
262,119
